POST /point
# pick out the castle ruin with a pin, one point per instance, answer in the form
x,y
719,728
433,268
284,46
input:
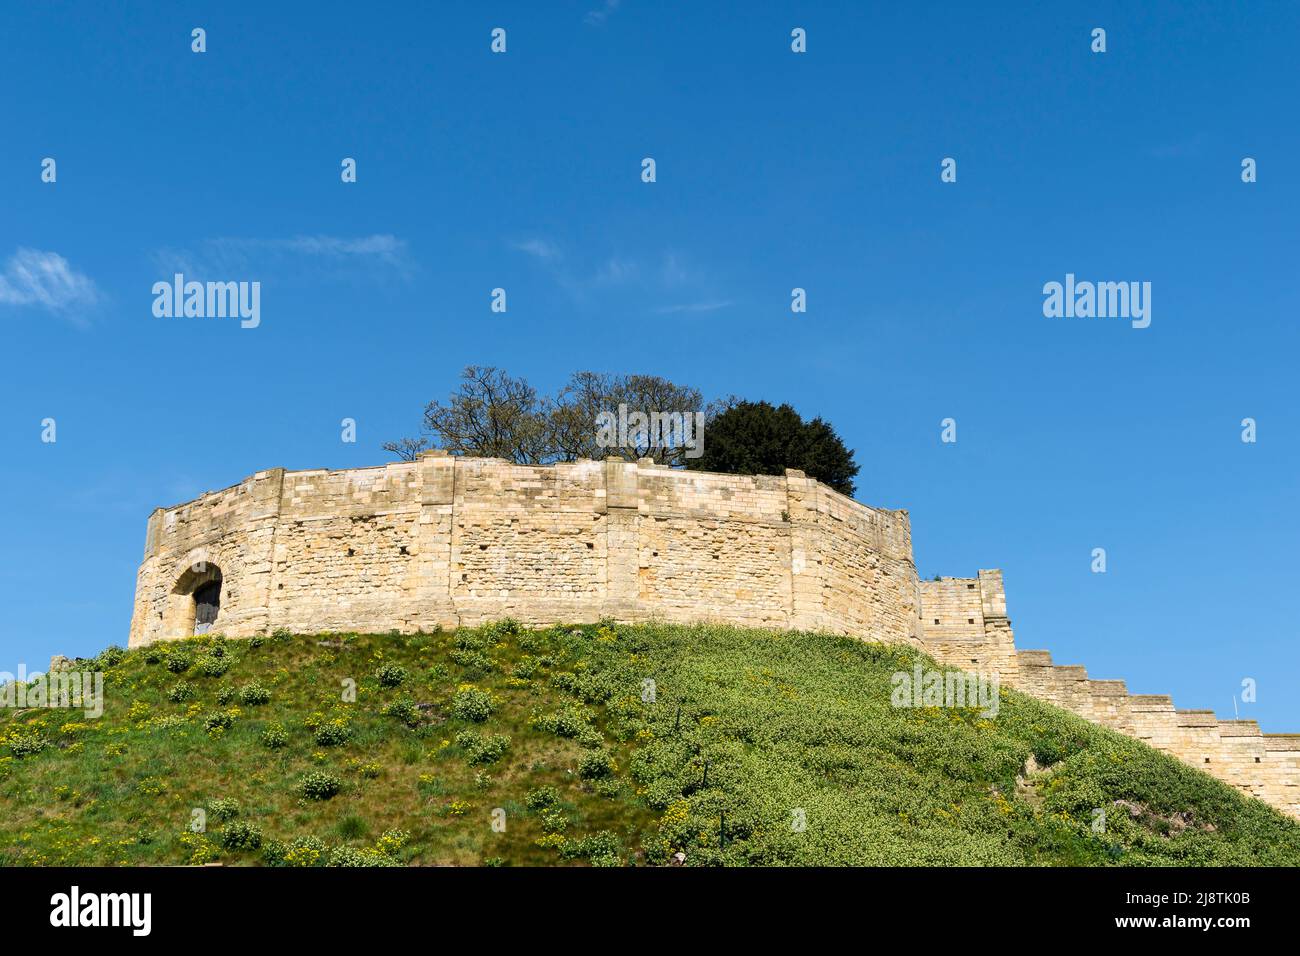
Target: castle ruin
x,y
448,541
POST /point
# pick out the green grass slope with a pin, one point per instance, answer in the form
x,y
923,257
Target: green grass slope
x,y
502,745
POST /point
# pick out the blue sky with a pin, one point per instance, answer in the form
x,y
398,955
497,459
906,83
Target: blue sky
x,y
774,170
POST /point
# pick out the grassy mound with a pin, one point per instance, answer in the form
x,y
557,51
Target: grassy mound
x,y
501,745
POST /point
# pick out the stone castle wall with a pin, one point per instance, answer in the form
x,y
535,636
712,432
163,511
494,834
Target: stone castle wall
x,y
447,541
964,624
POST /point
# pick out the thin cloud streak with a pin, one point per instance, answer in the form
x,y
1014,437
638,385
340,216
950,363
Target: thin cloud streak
x,y
46,280
694,307
537,248
603,13
671,277
228,256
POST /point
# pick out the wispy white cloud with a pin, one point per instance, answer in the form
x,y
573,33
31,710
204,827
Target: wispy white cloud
x,y
229,256
616,271
538,248
45,280
669,276
550,256
602,13
677,272
707,306
381,246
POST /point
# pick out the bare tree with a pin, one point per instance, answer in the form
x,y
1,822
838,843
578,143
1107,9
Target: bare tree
x,y
493,415
575,417
406,449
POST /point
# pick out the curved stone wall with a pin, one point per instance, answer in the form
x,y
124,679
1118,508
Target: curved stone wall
x,y
446,541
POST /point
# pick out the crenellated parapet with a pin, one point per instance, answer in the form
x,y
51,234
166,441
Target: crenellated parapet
x,y
1266,766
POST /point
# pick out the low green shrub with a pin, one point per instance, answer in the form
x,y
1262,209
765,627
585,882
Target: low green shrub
x,y
596,764
212,665
109,657
218,720
403,709
349,856
254,695
392,675
303,851
469,641
240,835
470,703
392,841
333,733
319,785
591,688
541,798
570,721
224,808
500,630
475,663
553,821
482,748
27,745
526,668
603,846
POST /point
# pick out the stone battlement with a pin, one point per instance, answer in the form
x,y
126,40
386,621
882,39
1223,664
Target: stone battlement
x,y
448,541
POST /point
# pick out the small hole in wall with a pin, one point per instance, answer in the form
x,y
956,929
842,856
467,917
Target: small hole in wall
x,y
970,620
970,587
590,545
936,620
1207,759
402,550
1256,760
482,547
351,552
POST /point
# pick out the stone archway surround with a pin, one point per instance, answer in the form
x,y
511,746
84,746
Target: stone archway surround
x,y
179,611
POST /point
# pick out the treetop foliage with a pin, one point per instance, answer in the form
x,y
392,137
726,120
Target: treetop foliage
x,y
492,414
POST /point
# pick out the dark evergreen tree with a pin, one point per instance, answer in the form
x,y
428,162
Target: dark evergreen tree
x,y
757,438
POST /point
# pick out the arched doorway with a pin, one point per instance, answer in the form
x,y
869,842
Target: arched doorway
x,y
194,604
207,602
